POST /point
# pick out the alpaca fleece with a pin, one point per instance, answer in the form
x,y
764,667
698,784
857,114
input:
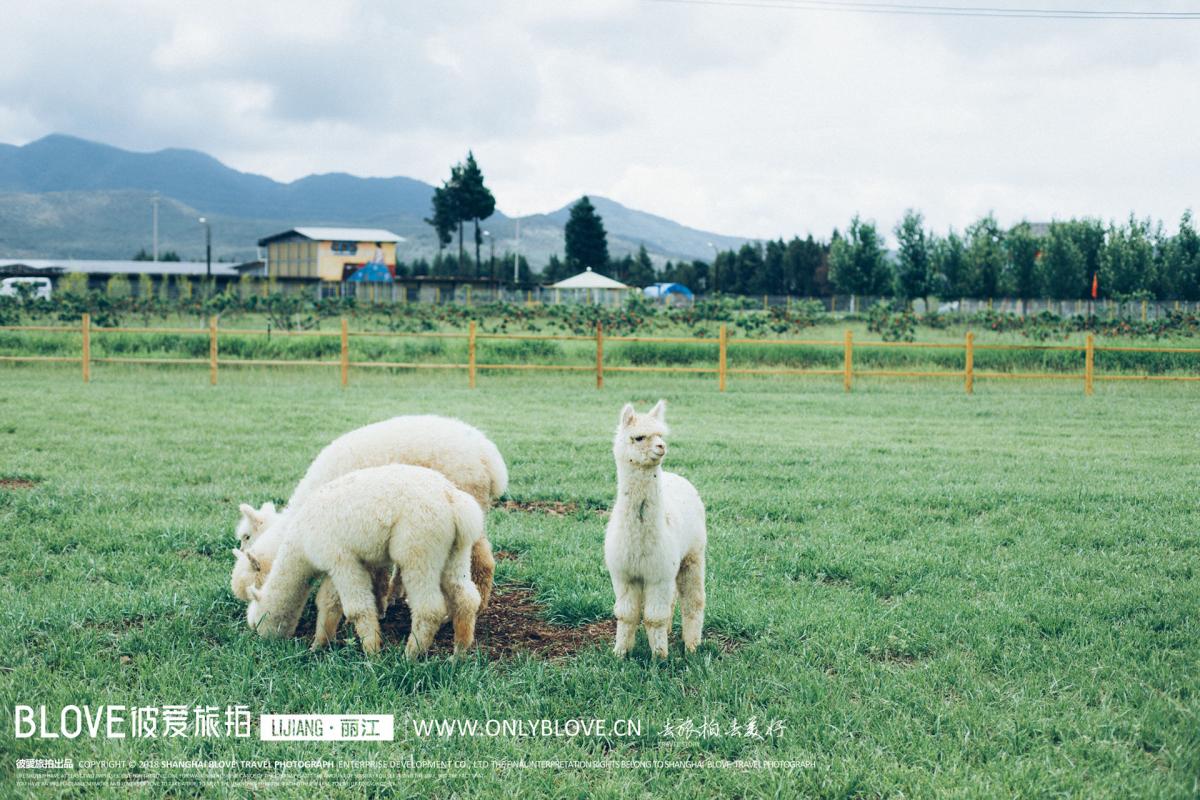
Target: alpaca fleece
x,y
363,522
457,450
655,541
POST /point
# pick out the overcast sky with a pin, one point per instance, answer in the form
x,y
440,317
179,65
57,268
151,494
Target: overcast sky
x,y
741,120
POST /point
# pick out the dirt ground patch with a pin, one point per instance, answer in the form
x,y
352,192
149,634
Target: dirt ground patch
x,y
555,508
513,623
17,483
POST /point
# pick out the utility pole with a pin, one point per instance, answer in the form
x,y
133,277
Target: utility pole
x,y
207,252
154,200
517,257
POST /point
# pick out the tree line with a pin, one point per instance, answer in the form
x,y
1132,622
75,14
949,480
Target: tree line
x,y
1062,260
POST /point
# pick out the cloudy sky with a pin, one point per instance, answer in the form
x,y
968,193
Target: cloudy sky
x,y
733,118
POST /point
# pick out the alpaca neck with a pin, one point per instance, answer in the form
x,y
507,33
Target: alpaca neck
x,y
286,590
639,497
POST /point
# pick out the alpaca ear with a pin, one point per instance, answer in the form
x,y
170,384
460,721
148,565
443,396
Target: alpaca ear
x,y
659,411
250,513
268,509
627,415
253,562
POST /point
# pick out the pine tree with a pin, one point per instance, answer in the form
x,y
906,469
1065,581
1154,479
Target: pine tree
x,y
587,242
475,200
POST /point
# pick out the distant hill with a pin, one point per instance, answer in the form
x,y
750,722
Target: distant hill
x,y
65,196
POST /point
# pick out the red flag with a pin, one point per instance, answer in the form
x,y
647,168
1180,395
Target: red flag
x,y
1095,284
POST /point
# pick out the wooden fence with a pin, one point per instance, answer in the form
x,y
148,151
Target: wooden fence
x,y
721,369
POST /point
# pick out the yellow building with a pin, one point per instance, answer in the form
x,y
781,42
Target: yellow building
x,y
328,254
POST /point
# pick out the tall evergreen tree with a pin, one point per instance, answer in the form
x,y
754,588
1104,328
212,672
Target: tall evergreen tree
x,y
475,200
641,269
586,240
444,218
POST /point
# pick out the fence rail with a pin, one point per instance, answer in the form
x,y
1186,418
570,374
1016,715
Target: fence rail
x,y
721,368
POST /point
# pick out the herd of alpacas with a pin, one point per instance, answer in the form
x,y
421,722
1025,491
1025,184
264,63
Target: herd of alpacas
x,y
397,509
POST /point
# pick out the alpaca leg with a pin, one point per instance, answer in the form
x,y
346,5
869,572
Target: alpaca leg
x,y
381,578
353,582
483,568
690,583
463,599
329,614
628,611
426,605
660,599
395,587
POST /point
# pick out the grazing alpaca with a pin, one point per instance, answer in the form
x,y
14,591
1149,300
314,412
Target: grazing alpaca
x,y
654,544
452,447
372,518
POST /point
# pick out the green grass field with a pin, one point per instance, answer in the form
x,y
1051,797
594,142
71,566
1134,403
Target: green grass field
x,y
932,594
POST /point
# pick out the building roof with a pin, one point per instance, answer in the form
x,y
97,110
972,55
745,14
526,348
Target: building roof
x,y
336,235
103,267
588,280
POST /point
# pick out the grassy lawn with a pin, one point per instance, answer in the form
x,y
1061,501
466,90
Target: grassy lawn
x,y
932,594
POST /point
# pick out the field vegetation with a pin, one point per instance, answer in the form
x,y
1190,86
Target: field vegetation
x,y
930,594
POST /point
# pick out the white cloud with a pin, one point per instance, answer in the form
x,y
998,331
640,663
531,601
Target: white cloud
x,y
740,120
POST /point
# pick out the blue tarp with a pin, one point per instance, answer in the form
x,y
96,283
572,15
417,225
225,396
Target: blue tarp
x,y
660,290
372,273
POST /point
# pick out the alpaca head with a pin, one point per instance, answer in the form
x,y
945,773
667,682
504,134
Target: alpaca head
x,y
249,571
253,522
641,438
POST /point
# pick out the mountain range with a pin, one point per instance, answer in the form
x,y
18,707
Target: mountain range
x,y
62,196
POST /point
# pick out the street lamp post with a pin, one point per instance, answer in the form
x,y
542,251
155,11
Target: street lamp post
x,y
207,251
491,254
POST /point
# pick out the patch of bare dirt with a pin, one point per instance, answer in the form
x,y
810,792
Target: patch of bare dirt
x,y
512,624
555,508
17,483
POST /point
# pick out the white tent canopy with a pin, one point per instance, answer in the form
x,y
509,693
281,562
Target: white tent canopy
x,y
588,280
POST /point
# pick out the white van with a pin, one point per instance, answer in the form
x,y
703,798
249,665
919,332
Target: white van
x,y
9,287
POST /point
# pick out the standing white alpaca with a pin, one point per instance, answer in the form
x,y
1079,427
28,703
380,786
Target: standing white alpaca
x,y
654,544
398,514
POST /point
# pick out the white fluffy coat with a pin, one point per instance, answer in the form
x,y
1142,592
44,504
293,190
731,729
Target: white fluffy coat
x,y
655,541
370,519
452,447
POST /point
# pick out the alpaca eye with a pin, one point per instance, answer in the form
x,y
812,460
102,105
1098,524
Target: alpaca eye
x,y
639,438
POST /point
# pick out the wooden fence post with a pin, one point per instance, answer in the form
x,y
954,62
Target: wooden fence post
x,y
1089,367
1143,311
468,295
599,356
471,354
848,364
345,352
766,306
970,362
722,370
213,349
86,356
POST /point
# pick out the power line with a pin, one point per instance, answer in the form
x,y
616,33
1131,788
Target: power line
x,y
908,9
